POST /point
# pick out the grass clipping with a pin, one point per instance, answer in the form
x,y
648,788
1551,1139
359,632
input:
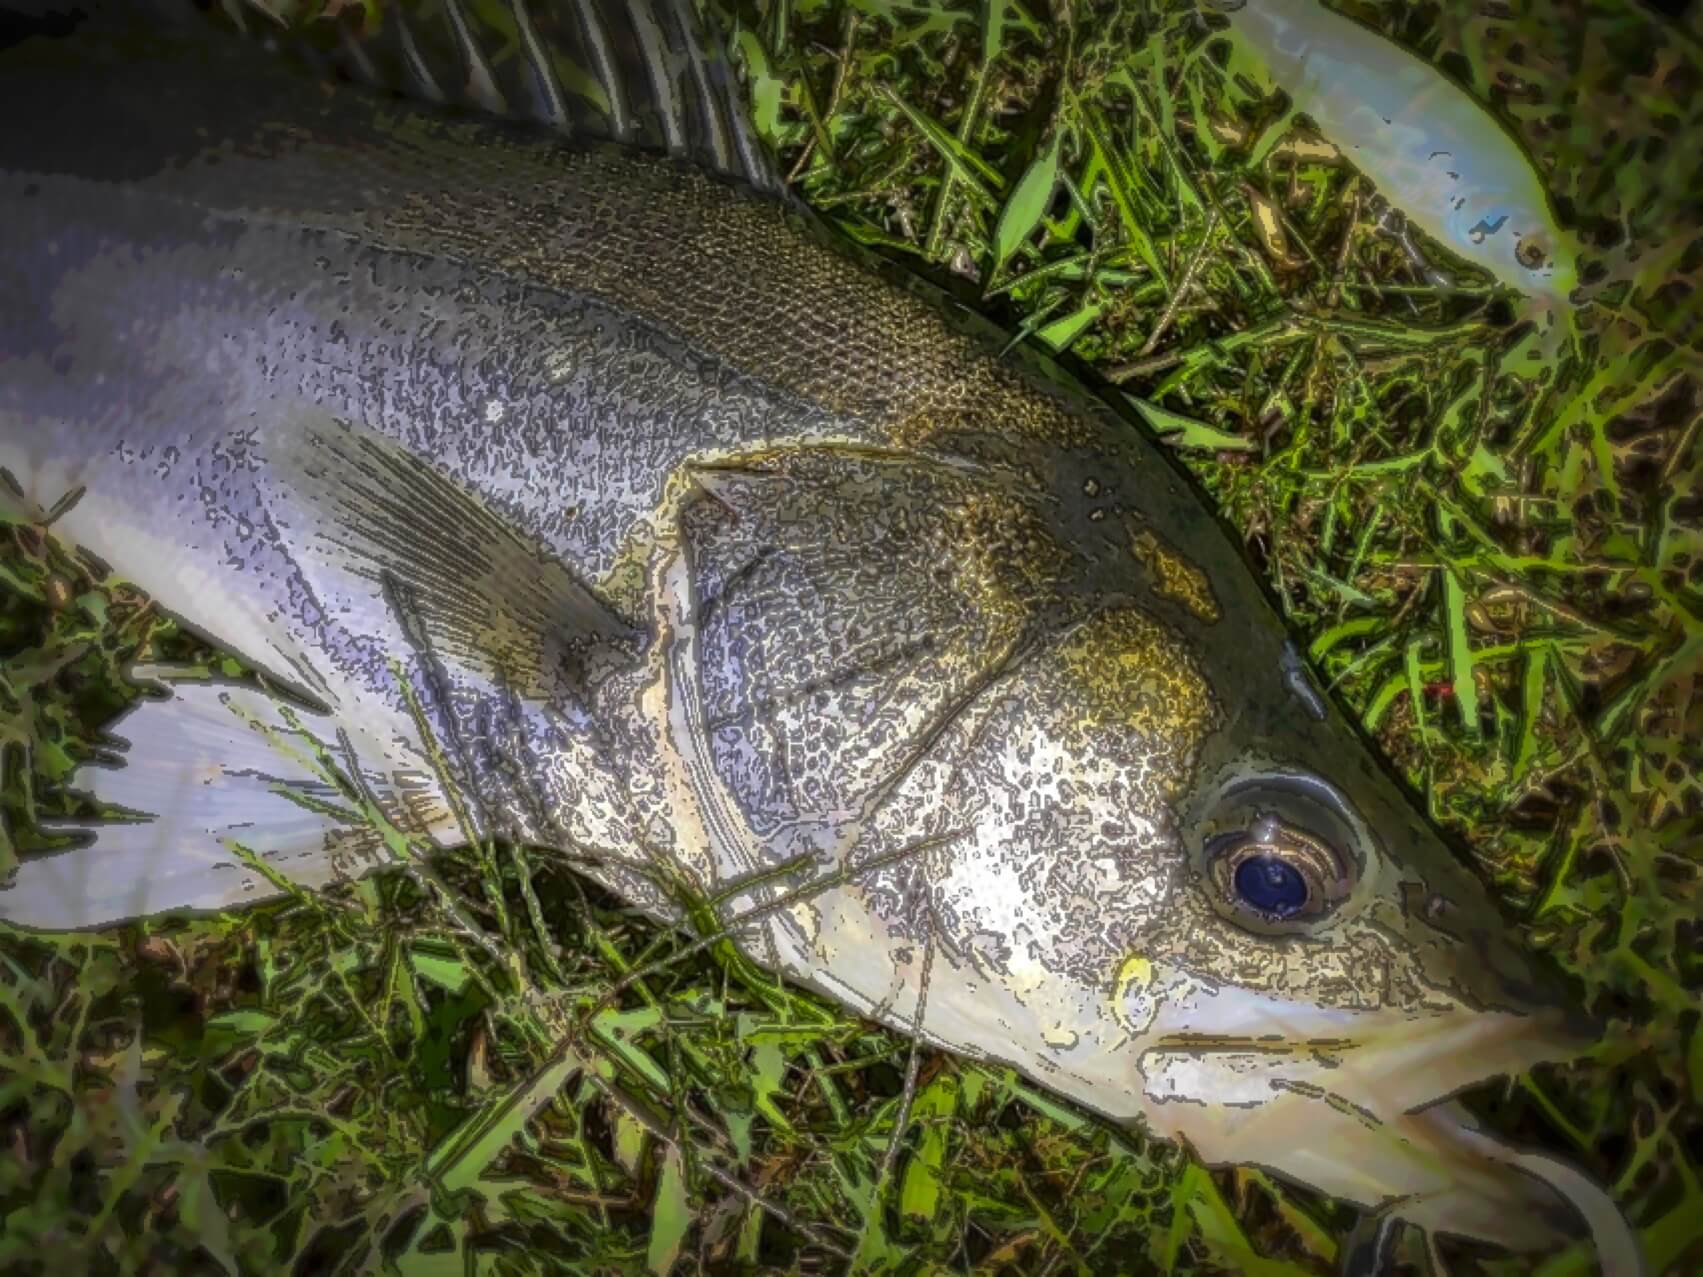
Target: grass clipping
x,y
493,1068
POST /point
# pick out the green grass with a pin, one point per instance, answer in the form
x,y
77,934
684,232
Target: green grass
x,y
1500,570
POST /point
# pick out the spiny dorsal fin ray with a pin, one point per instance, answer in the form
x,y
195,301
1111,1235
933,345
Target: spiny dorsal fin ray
x,y
647,73
357,63
481,82
663,68
421,82
551,104
604,68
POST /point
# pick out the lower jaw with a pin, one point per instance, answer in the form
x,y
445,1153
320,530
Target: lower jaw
x,y
1373,1122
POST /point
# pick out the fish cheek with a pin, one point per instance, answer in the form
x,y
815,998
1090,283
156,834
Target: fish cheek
x,y
1062,786
1355,964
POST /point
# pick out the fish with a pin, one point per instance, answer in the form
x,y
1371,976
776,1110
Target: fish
x,y
1428,146
573,485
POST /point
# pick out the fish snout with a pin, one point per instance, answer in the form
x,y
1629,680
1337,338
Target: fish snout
x,y
1491,970
1358,1106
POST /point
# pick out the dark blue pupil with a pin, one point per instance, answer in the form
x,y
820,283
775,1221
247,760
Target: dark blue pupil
x,y
1271,886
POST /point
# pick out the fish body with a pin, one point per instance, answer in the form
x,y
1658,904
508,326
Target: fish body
x,y
1427,145
711,552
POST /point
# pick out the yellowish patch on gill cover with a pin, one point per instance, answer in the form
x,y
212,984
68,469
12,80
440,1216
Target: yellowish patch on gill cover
x,y
1174,577
1135,672
1132,979
1008,557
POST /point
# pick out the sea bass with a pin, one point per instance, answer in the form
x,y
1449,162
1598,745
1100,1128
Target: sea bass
x,y
709,549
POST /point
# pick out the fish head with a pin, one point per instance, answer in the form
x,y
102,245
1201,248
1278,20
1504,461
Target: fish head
x,y
1331,978
1266,953
1158,872
1090,815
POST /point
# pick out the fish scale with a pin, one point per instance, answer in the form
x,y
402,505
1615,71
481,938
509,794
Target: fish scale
x,y
709,548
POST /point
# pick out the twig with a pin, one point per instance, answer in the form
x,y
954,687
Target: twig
x,y
1169,314
908,1096
834,96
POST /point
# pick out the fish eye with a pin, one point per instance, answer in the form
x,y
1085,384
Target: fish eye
x,y
1530,254
1278,853
1276,870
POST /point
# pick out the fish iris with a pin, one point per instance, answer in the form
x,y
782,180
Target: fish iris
x,y
1270,885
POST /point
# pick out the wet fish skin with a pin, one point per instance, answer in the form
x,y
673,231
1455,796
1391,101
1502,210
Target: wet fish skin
x,y
714,544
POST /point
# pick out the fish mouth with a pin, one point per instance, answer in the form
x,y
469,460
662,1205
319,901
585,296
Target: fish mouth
x,y
1400,1062
1360,1106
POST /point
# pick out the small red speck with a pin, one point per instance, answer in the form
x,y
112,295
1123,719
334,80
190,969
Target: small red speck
x,y
1443,690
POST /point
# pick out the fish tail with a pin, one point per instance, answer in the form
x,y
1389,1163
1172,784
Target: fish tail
x,y
225,796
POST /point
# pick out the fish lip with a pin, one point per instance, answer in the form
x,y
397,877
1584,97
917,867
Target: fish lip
x,y
1373,1119
1513,1044
1444,1052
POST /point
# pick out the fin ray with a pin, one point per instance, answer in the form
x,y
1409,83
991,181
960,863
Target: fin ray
x,y
481,81
601,52
202,770
420,78
553,108
648,73
495,604
663,66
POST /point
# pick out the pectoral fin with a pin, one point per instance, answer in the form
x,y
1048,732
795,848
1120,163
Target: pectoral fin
x,y
478,618
459,576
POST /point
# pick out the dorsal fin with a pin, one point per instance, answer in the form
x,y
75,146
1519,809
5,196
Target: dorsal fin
x,y
646,73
